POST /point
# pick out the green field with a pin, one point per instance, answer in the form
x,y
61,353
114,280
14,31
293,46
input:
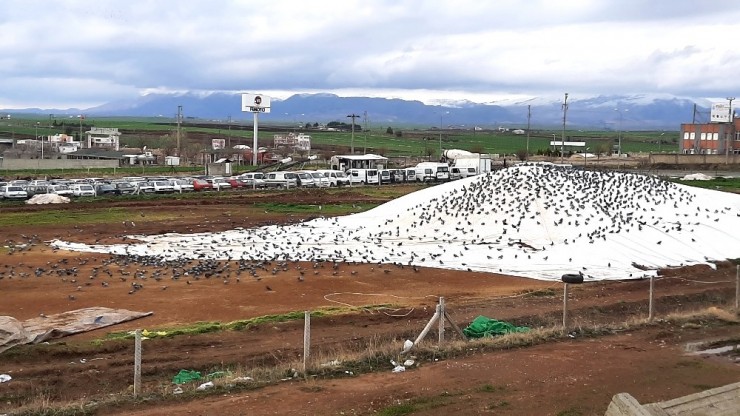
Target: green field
x,y
404,141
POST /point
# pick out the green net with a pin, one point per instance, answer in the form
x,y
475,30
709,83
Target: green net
x,y
186,376
487,327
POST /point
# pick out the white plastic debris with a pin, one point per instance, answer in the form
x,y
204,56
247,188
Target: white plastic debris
x,y
242,379
407,345
177,391
205,386
4,378
399,369
408,363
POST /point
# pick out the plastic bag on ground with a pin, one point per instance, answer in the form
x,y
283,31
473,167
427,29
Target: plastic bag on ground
x,y
186,376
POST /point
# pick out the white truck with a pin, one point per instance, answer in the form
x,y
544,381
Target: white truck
x,y
464,164
432,171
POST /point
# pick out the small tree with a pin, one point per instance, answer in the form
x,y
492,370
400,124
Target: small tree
x,y
389,131
521,154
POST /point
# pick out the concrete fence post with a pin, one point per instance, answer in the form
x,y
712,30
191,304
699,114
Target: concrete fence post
x,y
306,338
137,363
565,306
651,305
737,288
441,320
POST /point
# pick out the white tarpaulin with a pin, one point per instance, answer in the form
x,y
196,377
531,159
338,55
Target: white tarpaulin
x,y
44,328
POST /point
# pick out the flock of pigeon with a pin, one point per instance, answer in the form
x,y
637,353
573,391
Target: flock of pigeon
x,y
534,220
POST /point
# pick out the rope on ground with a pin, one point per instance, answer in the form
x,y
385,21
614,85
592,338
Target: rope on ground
x,y
326,297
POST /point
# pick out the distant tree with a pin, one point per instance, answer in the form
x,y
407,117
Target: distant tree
x,y
399,133
521,154
389,131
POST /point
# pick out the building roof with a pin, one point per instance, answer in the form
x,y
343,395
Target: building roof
x,y
368,156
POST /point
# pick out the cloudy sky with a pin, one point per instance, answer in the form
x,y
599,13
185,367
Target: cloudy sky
x,y
83,53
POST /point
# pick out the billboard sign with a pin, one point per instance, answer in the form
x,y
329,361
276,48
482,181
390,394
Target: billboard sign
x,y
720,113
218,144
255,103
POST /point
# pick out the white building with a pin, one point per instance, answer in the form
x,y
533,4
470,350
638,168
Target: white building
x,y
103,137
298,142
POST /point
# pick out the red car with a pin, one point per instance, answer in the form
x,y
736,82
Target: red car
x,y
202,185
236,183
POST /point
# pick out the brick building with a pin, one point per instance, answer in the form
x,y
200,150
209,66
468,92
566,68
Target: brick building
x,y
718,137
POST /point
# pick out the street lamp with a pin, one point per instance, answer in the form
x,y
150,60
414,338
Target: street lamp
x,y
619,132
353,116
42,140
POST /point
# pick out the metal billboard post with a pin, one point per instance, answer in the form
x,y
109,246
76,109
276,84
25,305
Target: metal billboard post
x,y
255,103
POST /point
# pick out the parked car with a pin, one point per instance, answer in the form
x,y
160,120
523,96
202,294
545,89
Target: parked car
x,y
125,188
202,185
182,185
281,180
12,192
253,179
219,183
320,180
105,188
305,179
144,187
162,187
82,189
236,182
59,189
335,177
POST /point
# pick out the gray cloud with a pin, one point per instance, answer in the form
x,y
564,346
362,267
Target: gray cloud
x,y
76,52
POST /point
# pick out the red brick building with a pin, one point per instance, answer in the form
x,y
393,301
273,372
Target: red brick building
x,y
711,138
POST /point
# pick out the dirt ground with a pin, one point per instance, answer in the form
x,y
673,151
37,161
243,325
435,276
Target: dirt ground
x,y
577,376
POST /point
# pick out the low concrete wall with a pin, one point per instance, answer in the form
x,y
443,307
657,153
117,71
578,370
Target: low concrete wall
x,y
682,159
42,164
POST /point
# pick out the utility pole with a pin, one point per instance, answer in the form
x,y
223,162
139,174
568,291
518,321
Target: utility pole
x,y
364,148
562,139
229,121
529,117
730,124
353,116
179,120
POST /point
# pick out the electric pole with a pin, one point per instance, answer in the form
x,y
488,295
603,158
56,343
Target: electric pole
x,y
353,116
529,117
179,120
562,140
730,124
364,149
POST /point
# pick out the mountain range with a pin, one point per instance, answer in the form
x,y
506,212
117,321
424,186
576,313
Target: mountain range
x,y
613,112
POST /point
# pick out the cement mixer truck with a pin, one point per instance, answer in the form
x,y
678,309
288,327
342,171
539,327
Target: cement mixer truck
x,y
464,164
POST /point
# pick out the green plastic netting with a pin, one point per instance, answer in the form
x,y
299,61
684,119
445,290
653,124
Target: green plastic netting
x,y
487,327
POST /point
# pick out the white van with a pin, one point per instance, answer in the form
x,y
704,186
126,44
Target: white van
x,y
432,171
336,177
460,173
363,176
281,180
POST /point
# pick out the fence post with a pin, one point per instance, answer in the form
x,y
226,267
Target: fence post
x,y
651,307
565,306
306,338
137,363
441,320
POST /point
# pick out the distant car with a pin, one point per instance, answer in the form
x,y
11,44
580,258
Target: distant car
x,y
104,188
335,177
163,187
281,180
82,189
202,185
236,182
125,188
12,192
182,185
306,180
253,179
59,189
219,184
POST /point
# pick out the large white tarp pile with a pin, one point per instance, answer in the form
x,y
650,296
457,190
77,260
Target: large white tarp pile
x,y
41,199
531,220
